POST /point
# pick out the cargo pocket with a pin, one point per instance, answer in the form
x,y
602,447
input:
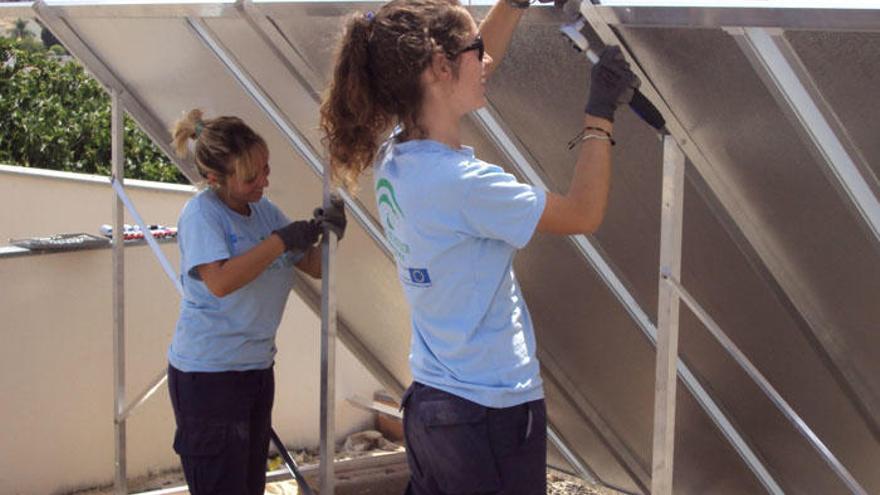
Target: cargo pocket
x,y
461,457
200,447
200,440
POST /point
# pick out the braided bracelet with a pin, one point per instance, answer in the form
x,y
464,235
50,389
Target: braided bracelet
x,y
583,136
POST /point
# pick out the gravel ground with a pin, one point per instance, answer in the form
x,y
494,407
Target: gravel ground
x,y
362,444
563,484
557,484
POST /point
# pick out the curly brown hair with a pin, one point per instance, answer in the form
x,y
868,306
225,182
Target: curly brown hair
x,y
377,77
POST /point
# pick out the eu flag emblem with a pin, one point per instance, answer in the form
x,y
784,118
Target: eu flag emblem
x,y
419,276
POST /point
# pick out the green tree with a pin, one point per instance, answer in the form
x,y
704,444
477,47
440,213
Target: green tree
x,y
53,115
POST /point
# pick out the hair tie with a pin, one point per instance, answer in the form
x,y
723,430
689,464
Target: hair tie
x,y
369,16
200,126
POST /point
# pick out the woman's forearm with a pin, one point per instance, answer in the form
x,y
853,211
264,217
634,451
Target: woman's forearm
x,y
497,31
581,209
310,264
227,276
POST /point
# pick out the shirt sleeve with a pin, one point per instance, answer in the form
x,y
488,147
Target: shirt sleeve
x,y
497,206
203,239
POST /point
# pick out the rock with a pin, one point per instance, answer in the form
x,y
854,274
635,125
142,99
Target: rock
x,y
363,441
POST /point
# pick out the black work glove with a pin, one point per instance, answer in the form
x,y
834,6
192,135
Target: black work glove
x,y
333,217
299,235
611,84
524,4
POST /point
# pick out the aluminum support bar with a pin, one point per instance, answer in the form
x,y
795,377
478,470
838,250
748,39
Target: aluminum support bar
x,y
113,9
142,397
151,241
672,210
784,277
392,385
159,380
292,58
742,222
571,458
631,464
146,120
785,75
764,384
486,120
328,353
788,81
301,484
859,17
120,483
271,110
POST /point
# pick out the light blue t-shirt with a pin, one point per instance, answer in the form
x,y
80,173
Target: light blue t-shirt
x,y
455,223
235,332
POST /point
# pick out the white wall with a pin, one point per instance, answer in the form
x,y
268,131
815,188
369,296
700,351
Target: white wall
x,y
56,379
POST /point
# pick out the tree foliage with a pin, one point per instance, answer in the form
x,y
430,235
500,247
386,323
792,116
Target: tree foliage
x,y
53,115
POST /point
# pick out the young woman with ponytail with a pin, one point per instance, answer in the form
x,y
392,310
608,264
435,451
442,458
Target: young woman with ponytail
x,y
237,255
474,417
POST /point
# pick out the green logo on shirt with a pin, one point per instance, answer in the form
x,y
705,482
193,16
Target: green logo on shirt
x,y
391,215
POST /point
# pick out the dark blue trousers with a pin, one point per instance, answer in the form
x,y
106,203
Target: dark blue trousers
x,y
455,446
224,422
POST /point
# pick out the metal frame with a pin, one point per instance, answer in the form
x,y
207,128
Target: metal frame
x,y
742,224
328,353
295,63
494,130
624,456
673,283
787,79
672,211
724,196
117,130
121,97
122,8
570,457
84,53
638,14
782,71
312,299
119,188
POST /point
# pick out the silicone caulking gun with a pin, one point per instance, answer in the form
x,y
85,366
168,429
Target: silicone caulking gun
x,y
639,104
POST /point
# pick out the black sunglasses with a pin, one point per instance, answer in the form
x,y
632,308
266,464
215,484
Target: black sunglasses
x,y
476,45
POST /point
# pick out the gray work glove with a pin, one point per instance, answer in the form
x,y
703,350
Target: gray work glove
x,y
332,217
612,83
299,235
